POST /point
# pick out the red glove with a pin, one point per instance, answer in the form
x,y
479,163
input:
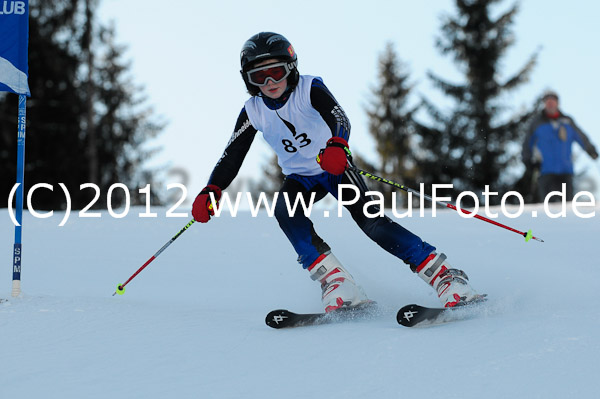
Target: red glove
x,y
202,208
333,158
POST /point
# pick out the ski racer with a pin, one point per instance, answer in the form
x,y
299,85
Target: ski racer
x,y
309,131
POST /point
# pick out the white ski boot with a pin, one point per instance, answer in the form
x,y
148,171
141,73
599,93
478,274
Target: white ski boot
x,y
452,285
339,288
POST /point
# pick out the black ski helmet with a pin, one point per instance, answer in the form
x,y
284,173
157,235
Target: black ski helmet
x,y
265,45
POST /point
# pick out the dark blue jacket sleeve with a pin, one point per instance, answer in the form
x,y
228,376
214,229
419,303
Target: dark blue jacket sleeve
x,y
231,161
332,113
582,139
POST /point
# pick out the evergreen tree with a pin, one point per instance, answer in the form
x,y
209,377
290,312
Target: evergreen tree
x,y
122,122
391,123
473,146
59,115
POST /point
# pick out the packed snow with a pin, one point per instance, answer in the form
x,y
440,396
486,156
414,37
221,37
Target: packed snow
x,y
192,324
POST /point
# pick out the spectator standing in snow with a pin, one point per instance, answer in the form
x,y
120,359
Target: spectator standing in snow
x,y
549,140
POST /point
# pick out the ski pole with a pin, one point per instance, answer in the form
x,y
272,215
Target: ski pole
x,y
528,236
121,287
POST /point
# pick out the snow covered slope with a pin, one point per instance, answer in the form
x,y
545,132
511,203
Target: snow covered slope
x,y
191,325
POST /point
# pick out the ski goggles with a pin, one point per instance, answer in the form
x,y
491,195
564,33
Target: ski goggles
x,y
275,72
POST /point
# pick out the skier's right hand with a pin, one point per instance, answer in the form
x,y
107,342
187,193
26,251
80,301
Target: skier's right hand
x,y
202,209
334,157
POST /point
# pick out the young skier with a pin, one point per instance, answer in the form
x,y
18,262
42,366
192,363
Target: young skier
x,y
309,131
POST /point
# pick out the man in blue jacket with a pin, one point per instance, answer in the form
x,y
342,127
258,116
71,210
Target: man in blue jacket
x,y
550,136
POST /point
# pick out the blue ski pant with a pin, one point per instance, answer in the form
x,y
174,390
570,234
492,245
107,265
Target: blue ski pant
x,y
298,228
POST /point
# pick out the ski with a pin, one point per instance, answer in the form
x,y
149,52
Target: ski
x,y
283,318
417,315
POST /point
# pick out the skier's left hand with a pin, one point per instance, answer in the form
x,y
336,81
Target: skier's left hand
x,y
333,158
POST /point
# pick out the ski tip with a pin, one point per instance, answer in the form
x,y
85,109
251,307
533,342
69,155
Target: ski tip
x,y
406,313
277,318
283,318
417,315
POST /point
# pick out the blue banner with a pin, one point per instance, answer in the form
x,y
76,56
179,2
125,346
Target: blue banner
x,y
14,41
